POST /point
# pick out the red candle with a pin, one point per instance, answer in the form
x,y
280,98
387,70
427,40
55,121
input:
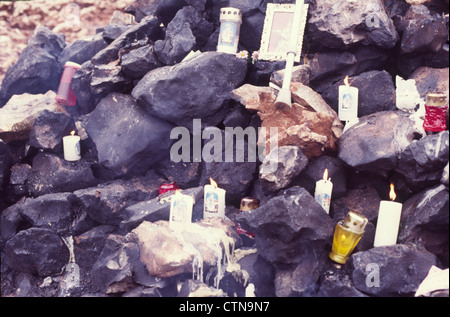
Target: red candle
x,y
164,188
436,110
65,95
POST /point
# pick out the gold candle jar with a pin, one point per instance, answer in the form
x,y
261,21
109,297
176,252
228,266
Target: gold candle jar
x,y
247,204
347,234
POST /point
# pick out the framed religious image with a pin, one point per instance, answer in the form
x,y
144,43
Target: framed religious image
x,y
277,32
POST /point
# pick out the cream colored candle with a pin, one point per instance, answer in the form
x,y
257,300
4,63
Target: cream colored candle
x,y
214,201
180,209
71,147
323,191
348,102
388,223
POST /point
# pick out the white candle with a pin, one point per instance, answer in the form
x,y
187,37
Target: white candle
x,y
388,222
348,102
180,209
71,147
324,188
214,201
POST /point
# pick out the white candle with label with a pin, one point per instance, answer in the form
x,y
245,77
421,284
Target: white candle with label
x,y
324,188
180,209
388,222
71,147
348,102
214,201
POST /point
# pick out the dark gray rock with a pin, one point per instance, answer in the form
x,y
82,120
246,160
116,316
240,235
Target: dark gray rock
x,y
335,282
52,174
287,224
425,220
4,163
188,31
48,130
37,70
105,203
394,270
376,93
195,89
138,62
165,10
422,162
376,141
128,140
37,251
82,50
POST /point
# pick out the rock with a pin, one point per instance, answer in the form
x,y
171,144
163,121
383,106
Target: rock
x,y
431,79
340,24
336,282
52,174
422,31
281,166
288,223
394,270
37,70
425,220
155,209
164,10
186,175
37,251
128,140
82,50
105,203
374,143
17,187
376,93
52,211
365,201
4,163
311,125
48,130
188,31
18,115
195,89
300,74
445,176
421,164
138,62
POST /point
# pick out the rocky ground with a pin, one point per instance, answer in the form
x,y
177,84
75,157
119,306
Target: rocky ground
x,y
18,21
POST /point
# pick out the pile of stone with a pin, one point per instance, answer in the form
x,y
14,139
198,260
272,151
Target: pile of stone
x,y
98,226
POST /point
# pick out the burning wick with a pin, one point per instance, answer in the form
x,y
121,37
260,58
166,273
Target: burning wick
x,y
324,189
214,200
348,101
388,223
71,147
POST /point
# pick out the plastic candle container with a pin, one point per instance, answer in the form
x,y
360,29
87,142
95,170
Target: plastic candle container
x,y
230,27
65,95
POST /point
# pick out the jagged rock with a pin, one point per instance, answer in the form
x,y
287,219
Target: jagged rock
x,y
105,203
421,164
425,220
374,143
128,140
431,79
286,224
37,70
4,163
138,62
188,31
52,174
365,201
37,251
82,50
194,89
165,10
48,130
310,124
52,211
281,166
186,175
376,93
394,270
18,115
336,282
340,24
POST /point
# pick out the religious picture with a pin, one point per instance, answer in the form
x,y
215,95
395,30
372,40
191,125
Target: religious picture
x,y
347,101
179,208
212,203
227,34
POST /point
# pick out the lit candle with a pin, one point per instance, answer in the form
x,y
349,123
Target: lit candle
x,y
324,188
348,102
388,222
230,26
71,147
214,201
180,209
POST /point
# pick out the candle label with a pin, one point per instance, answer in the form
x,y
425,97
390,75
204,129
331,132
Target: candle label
x,y
77,149
324,200
227,34
212,203
179,209
347,101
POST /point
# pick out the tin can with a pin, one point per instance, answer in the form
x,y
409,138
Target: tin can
x,y
247,204
230,27
65,95
436,112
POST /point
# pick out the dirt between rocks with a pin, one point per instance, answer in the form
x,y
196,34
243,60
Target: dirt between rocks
x,y
76,19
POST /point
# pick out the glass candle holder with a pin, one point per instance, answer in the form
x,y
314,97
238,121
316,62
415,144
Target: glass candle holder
x,y
436,110
247,204
65,95
347,234
230,27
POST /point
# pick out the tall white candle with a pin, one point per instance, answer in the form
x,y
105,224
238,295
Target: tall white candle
x,y
323,191
348,102
71,147
180,209
388,222
214,201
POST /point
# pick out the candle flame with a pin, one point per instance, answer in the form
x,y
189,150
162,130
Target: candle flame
x,y
392,194
213,183
346,82
325,175
177,192
72,133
